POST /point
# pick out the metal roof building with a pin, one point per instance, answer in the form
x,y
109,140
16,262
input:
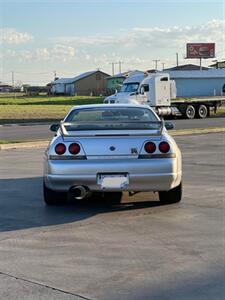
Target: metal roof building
x,y
209,82
88,83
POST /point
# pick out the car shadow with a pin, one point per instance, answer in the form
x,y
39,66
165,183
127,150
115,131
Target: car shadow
x,y
22,205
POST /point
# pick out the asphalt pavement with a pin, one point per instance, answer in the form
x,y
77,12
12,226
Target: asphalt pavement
x,y
38,131
135,251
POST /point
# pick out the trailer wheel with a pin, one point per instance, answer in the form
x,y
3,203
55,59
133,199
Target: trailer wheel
x,y
190,112
202,111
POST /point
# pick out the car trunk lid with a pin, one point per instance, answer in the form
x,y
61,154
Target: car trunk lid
x,y
115,146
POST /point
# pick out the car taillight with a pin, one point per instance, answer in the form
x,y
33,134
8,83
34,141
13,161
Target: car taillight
x,y
150,147
74,148
60,149
164,147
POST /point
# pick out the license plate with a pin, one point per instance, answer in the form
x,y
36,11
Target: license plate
x,y
113,181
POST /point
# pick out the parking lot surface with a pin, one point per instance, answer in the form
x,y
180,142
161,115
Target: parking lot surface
x,y
94,250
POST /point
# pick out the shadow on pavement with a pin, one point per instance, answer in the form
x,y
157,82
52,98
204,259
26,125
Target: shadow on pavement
x,y
22,206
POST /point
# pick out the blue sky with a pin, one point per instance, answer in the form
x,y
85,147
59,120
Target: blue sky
x,y
70,37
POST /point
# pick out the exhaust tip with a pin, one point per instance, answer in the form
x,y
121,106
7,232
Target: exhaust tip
x,y
79,192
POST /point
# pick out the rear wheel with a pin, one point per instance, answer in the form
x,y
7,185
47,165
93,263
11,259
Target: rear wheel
x,y
202,111
172,196
54,198
190,112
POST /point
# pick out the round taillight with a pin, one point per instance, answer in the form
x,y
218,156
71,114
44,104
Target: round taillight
x,y
164,147
60,149
150,147
74,148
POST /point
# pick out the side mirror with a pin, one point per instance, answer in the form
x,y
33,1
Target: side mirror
x,y
169,125
142,90
54,127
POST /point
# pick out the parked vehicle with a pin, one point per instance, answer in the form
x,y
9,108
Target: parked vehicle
x,y
159,92
108,149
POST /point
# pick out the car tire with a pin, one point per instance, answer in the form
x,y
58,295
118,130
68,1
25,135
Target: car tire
x,y
172,196
113,197
54,198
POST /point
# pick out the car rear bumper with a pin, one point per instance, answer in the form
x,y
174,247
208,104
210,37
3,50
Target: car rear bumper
x,y
143,175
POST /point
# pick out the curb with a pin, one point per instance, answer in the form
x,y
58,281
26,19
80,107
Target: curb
x,y
24,145
193,131
41,144
25,124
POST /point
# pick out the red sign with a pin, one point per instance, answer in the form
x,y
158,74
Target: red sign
x,y
202,50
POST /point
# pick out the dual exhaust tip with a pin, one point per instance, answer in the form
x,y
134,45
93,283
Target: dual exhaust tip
x,y
79,192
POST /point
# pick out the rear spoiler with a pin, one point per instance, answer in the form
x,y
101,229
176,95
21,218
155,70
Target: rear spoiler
x,y
102,132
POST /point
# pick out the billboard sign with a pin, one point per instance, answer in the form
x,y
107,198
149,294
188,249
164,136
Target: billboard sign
x,y
200,50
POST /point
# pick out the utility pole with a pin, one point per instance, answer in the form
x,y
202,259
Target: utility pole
x,y
156,63
112,68
177,59
120,66
12,78
163,66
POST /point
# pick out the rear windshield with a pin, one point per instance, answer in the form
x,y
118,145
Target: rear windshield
x,y
109,118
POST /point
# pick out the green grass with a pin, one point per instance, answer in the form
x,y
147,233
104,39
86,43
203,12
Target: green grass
x,y
44,108
41,108
3,142
45,100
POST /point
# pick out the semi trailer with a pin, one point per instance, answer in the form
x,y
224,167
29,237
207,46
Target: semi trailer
x,y
159,91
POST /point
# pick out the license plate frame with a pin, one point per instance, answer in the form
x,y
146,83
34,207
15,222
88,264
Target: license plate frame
x,y
113,180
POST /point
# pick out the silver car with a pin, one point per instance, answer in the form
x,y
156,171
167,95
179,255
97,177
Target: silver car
x,y
107,149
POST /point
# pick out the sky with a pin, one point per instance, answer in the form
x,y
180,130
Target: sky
x,y
41,39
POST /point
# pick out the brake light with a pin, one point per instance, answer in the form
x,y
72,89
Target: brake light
x,y
164,147
60,149
74,148
150,147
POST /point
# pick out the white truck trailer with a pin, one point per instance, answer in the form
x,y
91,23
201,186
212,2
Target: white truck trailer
x,y
157,90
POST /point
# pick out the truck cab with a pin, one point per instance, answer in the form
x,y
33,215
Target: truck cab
x,y
129,90
157,90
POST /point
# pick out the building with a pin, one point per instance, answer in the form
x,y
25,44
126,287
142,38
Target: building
x,y
5,88
218,65
187,67
209,82
114,82
89,83
36,90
